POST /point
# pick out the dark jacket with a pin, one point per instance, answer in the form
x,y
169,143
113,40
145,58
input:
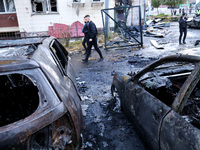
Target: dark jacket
x,y
92,30
85,28
183,22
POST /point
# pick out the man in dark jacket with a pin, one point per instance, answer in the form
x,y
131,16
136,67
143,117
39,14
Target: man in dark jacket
x,y
85,39
183,28
92,39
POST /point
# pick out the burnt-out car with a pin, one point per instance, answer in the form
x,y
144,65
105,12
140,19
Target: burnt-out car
x,y
39,104
163,102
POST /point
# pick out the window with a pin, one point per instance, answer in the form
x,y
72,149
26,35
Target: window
x,y
166,79
7,6
61,55
44,6
19,98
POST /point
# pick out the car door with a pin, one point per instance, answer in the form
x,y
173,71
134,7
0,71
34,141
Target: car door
x,y
150,94
146,111
180,127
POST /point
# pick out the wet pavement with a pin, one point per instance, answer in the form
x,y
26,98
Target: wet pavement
x,y
105,126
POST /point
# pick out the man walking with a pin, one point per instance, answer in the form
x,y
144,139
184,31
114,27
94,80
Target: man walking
x,y
92,39
183,28
85,39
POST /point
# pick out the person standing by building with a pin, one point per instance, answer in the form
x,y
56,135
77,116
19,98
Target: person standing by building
x,y
179,10
92,39
190,10
175,12
85,39
183,28
183,11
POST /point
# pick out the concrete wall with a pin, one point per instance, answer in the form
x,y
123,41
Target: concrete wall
x,y
67,14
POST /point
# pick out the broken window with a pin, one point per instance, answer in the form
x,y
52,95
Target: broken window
x,y
167,80
7,6
191,110
44,6
18,98
60,53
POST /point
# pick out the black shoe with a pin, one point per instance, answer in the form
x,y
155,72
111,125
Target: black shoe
x,y
101,59
184,42
84,60
180,43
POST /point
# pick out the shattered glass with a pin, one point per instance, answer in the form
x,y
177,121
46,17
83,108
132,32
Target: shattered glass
x,y
21,51
44,6
10,6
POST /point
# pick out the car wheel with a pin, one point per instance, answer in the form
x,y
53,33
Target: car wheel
x,y
116,97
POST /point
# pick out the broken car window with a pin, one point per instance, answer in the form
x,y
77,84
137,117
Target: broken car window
x,y
7,6
60,53
18,98
167,80
44,6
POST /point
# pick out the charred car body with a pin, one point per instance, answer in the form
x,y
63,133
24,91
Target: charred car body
x,y
39,104
163,102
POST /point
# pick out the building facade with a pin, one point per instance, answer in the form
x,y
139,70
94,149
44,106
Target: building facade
x,y
43,17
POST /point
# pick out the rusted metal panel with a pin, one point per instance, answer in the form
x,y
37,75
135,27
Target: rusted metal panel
x,y
8,20
59,91
147,112
178,134
159,124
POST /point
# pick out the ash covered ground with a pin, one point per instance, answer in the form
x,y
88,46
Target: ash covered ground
x,y
105,126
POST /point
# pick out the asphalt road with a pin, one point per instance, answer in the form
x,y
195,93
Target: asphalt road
x,y
105,126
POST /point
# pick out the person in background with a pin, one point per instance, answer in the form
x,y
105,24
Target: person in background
x,y
175,12
85,39
190,10
198,12
183,27
92,39
179,10
183,11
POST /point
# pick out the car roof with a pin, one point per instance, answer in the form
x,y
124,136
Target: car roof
x,y
15,53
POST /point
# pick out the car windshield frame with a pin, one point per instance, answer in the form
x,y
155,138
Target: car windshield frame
x,y
191,80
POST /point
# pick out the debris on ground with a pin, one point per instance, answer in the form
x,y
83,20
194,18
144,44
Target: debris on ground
x,y
197,43
156,45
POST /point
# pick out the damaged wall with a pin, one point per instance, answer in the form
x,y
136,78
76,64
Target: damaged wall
x,y
66,14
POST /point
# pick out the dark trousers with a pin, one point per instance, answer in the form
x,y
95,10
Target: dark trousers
x,y
182,30
85,40
90,44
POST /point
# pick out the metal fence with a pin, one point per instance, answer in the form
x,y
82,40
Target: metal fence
x,y
125,23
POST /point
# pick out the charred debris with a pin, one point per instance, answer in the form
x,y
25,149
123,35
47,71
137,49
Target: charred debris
x,y
167,80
